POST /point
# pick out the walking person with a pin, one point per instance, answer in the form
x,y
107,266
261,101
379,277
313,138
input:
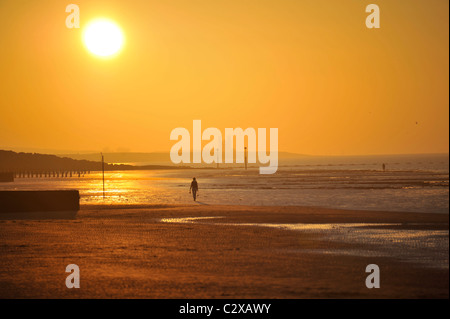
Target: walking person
x,y
194,188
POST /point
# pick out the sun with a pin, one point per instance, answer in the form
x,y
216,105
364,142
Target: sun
x,y
103,38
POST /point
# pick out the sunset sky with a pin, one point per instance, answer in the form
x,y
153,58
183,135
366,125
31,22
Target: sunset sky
x,y
309,68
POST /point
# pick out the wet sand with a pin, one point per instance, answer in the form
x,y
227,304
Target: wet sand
x,y
142,252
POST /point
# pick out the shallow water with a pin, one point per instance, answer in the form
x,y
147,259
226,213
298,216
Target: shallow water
x,y
425,247
417,184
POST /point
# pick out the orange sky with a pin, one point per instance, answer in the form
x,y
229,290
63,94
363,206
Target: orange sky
x,y
310,68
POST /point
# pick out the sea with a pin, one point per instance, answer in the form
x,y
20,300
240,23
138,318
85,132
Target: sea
x,y
410,183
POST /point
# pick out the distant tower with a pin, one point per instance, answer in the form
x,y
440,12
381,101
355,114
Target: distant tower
x,y
245,157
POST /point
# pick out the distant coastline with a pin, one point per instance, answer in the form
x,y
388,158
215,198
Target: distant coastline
x,y
11,161
32,162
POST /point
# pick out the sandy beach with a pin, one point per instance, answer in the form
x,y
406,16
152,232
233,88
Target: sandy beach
x,y
204,251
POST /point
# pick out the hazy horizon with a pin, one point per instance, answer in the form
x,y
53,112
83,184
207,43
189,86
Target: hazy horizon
x,y
89,152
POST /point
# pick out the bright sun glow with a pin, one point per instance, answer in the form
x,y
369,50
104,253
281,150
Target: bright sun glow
x,y
103,37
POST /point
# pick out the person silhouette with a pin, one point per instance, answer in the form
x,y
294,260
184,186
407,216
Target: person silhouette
x,y
194,188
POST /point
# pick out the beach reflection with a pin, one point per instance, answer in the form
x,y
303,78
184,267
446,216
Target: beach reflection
x,y
409,191
426,247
